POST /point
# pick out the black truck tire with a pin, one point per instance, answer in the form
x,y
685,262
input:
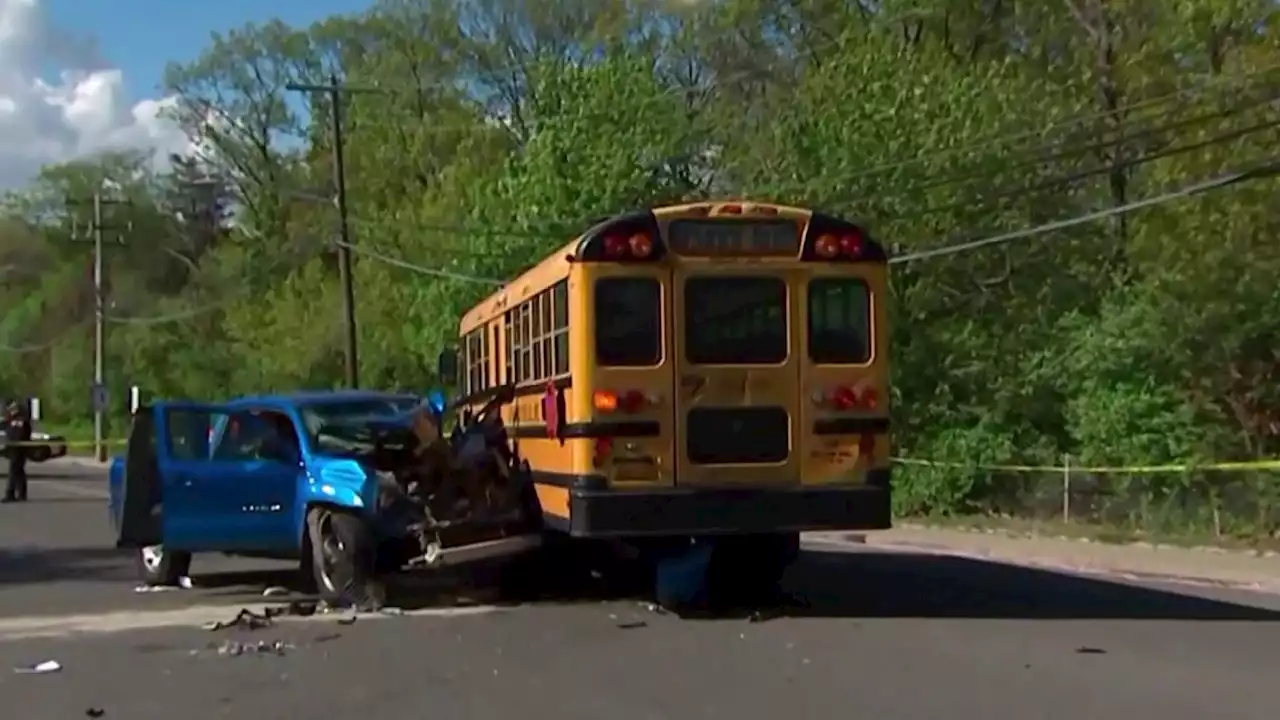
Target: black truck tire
x,y
342,559
160,567
745,570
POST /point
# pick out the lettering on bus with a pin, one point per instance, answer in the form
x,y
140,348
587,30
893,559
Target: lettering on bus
x,y
737,236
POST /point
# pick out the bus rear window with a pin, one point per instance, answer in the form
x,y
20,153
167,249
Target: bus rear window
x,y
735,320
628,322
839,321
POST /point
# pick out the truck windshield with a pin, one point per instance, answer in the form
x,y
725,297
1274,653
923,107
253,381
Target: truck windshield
x,y
338,426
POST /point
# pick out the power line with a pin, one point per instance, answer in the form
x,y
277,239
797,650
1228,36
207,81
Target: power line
x,y
423,270
1063,180
999,140
1217,183
214,306
1059,153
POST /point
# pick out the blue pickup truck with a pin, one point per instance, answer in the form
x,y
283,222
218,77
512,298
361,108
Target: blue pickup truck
x,y
330,479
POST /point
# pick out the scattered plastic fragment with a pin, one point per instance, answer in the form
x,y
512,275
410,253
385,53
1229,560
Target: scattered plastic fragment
x,y
41,668
184,583
94,712
633,625
275,591
1090,651
245,619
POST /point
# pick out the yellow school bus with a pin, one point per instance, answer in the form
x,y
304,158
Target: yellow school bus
x,y
708,369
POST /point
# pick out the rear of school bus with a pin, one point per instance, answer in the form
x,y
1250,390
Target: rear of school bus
x,y
732,362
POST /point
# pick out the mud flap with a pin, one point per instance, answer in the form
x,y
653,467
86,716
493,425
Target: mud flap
x,y
139,521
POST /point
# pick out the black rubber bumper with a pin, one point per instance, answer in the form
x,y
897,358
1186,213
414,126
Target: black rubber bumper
x,y
614,513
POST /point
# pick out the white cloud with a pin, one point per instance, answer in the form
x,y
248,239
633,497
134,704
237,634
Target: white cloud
x,y
86,110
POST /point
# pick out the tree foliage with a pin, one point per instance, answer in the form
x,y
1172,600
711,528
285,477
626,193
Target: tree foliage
x,y
486,132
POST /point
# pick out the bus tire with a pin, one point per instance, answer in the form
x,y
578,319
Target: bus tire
x,y
342,559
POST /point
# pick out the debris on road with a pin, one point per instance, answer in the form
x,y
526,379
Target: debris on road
x,y
275,591
94,712
246,619
41,668
1090,651
235,648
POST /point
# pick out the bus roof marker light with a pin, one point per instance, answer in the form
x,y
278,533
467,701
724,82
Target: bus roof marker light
x,y
641,246
827,247
615,247
851,245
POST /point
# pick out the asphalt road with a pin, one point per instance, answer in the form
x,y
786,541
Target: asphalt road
x,y
887,635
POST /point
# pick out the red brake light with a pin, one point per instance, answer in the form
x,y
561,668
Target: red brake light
x,y
641,246
851,245
844,398
633,401
827,247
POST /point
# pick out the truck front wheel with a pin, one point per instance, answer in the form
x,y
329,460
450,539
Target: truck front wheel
x,y
342,559
160,567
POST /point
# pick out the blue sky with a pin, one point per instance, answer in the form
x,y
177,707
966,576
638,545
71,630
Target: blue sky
x,y
142,36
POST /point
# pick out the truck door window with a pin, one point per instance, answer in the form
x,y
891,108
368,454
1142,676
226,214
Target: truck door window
x,y
258,436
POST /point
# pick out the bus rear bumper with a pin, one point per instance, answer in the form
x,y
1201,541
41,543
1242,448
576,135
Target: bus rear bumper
x,y
613,513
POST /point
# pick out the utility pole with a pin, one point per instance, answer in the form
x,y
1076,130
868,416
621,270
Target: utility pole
x,y
98,232
335,90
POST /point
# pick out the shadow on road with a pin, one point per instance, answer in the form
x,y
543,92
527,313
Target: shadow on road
x,y
29,566
902,585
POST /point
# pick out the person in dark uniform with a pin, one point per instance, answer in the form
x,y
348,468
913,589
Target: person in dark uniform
x,y
17,430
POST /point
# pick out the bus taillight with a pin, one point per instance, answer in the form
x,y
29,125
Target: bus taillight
x,y
846,398
604,401
628,402
827,247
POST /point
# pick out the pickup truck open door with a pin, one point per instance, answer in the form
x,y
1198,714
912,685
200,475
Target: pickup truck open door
x,y
168,445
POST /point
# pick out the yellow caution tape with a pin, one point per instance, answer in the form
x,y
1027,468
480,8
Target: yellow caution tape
x,y
1099,469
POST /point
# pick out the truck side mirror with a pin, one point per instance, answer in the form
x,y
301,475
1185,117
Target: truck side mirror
x,y
447,366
